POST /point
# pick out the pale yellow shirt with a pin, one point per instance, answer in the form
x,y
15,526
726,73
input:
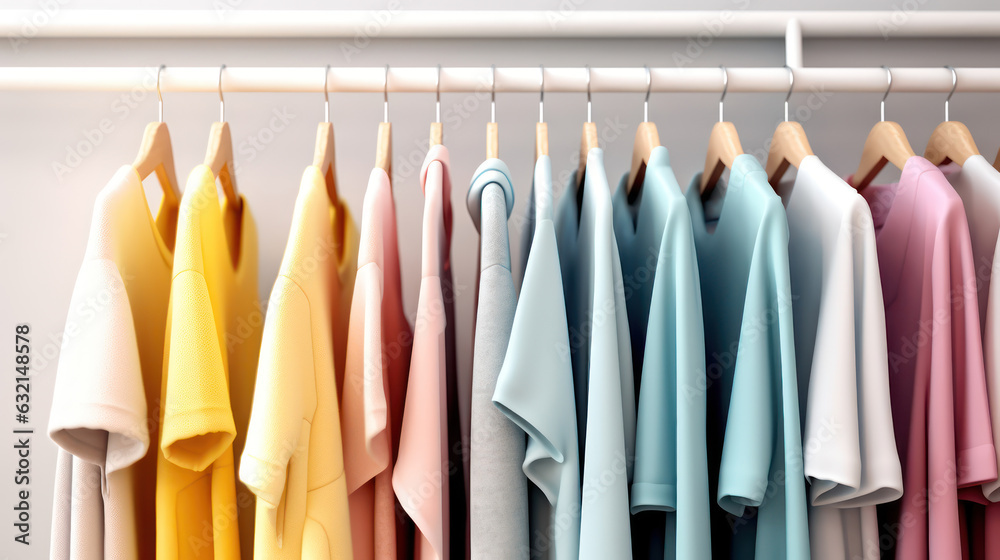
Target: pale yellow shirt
x,y
294,459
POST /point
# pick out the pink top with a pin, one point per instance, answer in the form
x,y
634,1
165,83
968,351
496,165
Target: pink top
x,y
378,358
425,485
936,375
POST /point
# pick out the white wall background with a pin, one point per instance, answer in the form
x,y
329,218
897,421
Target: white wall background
x,y
45,216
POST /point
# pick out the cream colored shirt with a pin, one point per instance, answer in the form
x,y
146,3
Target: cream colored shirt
x,y
104,412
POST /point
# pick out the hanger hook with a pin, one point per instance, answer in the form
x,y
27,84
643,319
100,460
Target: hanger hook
x,y
888,75
326,93
725,87
541,96
437,102
159,96
791,86
493,93
385,95
649,87
222,102
589,104
954,84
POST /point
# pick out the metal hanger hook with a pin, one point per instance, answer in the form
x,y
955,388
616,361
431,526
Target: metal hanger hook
x,y
385,95
222,102
493,93
649,87
954,84
326,93
437,102
541,94
888,75
725,87
791,86
159,96
589,104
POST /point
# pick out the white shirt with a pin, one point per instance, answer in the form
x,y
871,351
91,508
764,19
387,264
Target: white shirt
x,y
848,447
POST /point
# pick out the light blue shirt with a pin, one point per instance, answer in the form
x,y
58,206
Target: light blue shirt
x,y
600,348
535,385
663,295
754,445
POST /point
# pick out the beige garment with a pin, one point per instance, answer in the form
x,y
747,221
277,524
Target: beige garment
x,y
104,407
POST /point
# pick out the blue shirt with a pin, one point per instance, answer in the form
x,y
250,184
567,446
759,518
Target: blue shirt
x,y
754,445
663,296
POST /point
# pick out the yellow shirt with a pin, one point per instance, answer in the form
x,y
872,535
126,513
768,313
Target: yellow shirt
x,y
293,459
213,338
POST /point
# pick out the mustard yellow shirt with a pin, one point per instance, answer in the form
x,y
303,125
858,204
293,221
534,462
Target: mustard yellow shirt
x,y
293,460
213,339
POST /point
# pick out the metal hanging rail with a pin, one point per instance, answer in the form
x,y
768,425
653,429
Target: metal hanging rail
x,y
477,80
229,20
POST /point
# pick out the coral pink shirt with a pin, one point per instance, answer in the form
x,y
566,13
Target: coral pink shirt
x,y
428,488
936,375
378,358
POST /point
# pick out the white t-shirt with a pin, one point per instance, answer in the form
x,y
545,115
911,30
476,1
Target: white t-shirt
x,y
848,446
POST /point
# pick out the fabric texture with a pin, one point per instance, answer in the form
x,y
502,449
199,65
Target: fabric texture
x,y
428,477
842,363
104,412
378,359
663,297
535,385
602,361
293,460
754,444
499,488
937,382
213,342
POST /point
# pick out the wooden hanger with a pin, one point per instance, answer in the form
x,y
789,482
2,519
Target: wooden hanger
x,y
157,156
789,145
492,131
646,138
323,156
437,131
588,141
951,140
886,143
723,145
541,127
219,156
383,146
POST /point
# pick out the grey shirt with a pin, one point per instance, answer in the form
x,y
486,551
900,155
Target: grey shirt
x,y
499,488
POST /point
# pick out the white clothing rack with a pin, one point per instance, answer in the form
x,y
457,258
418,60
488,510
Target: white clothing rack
x,y
792,26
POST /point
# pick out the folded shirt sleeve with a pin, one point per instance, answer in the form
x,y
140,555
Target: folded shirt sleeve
x,y
99,403
197,420
959,349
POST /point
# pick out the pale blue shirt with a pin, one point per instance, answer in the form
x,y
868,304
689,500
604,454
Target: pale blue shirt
x,y
663,295
600,349
535,385
754,445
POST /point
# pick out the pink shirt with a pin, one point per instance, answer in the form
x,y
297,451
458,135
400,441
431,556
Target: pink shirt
x,y
428,475
936,375
378,358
